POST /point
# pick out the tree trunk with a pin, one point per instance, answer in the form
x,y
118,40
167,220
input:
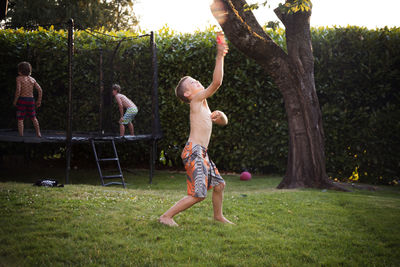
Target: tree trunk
x,y
293,73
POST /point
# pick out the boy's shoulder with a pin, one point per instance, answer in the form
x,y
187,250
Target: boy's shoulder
x,y
195,105
119,97
26,77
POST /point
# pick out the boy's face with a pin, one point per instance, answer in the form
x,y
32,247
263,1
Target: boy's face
x,y
192,87
114,92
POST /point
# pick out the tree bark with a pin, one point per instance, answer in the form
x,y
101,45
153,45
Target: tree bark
x,y
293,73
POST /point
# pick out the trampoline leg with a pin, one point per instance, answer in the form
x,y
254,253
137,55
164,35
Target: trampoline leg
x,y
153,151
68,162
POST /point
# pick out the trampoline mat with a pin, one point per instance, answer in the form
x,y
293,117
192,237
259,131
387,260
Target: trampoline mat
x,y
48,136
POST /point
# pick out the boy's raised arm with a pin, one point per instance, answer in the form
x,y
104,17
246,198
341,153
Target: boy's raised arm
x,y
222,49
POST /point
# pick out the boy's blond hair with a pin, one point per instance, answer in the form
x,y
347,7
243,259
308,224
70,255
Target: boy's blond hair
x,y
25,68
180,90
116,87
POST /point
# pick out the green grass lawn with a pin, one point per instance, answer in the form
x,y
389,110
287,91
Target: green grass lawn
x,y
90,225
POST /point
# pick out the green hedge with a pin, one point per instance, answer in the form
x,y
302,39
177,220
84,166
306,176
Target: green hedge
x,y
356,74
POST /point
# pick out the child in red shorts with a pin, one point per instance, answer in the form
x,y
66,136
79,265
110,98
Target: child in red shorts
x,y
202,173
24,100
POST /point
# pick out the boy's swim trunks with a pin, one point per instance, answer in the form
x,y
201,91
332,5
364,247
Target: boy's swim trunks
x,y
202,174
130,113
25,107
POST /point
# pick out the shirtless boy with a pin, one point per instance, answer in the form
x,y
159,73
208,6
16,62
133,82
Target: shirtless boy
x,y
131,110
24,100
202,174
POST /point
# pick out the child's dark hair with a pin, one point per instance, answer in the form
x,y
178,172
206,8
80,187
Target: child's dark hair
x,y
25,68
116,87
180,90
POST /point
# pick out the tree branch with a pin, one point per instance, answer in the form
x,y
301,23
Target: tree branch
x,y
298,39
246,34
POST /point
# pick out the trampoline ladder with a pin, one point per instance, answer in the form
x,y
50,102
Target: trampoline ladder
x,y
115,158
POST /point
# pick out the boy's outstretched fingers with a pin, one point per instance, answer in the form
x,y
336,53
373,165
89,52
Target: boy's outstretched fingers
x,y
226,50
167,221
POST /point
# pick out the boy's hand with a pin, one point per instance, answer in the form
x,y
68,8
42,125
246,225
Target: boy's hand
x,y
38,104
219,118
222,46
121,119
215,115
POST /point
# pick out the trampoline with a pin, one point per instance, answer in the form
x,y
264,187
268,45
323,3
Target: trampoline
x,y
48,136
69,137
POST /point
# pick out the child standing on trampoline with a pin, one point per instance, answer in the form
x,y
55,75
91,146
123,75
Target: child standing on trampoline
x,y
130,113
24,100
202,174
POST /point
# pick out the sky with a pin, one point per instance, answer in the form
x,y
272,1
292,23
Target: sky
x,y
191,15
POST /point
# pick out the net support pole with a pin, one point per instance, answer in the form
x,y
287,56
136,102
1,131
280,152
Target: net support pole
x,y
155,118
69,97
101,93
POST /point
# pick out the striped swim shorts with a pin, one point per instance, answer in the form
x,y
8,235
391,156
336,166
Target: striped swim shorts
x,y
201,172
25,107
129,115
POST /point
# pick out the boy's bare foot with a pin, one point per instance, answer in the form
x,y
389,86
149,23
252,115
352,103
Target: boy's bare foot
x,y
167,221
223,220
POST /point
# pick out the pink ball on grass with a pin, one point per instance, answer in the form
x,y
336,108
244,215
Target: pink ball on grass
x,y
245,176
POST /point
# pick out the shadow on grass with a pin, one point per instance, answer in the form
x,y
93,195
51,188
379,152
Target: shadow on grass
x,y
139,179
134,178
